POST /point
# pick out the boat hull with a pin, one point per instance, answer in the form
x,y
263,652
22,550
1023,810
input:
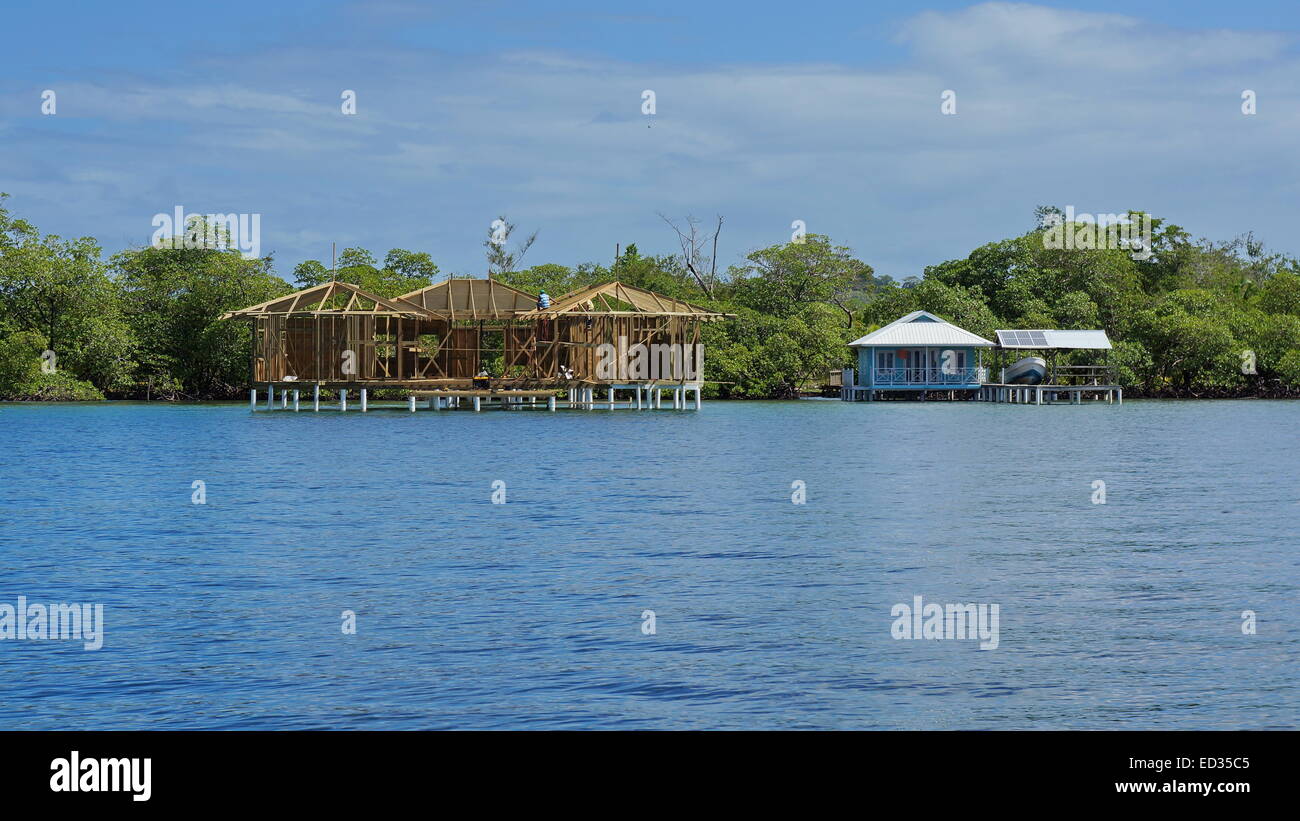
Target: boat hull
x,y
1031,370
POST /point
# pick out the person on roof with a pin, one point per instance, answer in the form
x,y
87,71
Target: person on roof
x,y
543,301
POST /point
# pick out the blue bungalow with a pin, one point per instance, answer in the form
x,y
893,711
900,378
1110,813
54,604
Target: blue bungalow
x,y
920,352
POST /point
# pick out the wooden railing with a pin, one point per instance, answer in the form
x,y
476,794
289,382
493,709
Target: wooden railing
x,y
928,376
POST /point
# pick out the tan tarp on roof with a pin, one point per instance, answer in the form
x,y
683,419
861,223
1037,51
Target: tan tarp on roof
x,y
602,299
472,299
331,297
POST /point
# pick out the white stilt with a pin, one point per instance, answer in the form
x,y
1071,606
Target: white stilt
x,y
611,398
270,396
638,397
550,403
412,398
252,398
476,404
295,400
697,397
284,399
315,397
433,403
363,400
343,399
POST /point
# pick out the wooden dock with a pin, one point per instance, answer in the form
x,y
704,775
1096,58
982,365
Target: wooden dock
x,y
1048,394
635,396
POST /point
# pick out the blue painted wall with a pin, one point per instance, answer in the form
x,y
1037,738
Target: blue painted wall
x,y
867,359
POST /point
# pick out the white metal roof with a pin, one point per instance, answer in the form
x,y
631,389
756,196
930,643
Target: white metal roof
x,y
1076,340
921,328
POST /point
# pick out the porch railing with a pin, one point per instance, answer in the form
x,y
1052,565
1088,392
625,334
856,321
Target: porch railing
x,y
929,376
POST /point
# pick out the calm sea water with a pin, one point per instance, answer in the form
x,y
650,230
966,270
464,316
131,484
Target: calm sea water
x,y
768,614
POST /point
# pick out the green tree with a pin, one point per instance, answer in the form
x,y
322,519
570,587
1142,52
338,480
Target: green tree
x,y
173,300
60,289
402,272
782,279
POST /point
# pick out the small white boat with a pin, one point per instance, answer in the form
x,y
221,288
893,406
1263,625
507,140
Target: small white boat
x,y
1031,370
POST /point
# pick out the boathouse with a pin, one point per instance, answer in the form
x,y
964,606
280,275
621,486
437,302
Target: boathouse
x,y
916,354
1048,367
922,355
479,340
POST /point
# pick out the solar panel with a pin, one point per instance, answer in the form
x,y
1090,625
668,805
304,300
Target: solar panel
x,y
1022,339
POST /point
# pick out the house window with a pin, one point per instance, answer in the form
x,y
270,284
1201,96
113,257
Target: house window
x,y
884,360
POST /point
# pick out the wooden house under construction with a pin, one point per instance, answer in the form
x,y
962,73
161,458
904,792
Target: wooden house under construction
x,y
479,339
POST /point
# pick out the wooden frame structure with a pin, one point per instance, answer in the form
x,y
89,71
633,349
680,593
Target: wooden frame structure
x,y
337,336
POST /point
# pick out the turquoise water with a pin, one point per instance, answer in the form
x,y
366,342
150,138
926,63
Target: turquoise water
x,y
768,614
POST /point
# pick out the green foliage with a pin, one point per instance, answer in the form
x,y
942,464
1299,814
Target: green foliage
x,y
60,290
783,279
1288,367
555,280
402,272
172,300
761,356
22,377
20,362
59,386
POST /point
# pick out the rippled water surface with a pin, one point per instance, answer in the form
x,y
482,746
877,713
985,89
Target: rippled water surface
x,y
769,614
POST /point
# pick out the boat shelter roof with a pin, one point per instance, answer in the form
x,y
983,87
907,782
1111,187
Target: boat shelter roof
x,y
921,328
1046,340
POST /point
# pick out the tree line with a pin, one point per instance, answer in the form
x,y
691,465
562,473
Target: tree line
x,y
1188,318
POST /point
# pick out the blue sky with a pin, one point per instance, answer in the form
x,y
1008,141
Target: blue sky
x,y
825,112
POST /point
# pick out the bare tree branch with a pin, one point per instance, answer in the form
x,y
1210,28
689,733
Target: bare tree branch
x,y
693,255
499,259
